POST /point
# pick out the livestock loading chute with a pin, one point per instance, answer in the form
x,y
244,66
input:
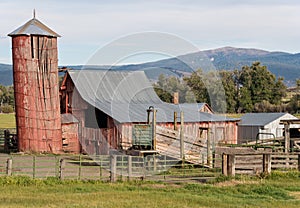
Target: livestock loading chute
x,y
144,136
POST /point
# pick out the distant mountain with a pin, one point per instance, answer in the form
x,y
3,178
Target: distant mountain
x,y
282,64
228,58
6,74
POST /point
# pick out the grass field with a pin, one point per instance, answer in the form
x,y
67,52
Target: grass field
x,y
279,190
7,121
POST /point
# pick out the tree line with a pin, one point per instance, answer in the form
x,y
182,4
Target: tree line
x,y
7,100
252,89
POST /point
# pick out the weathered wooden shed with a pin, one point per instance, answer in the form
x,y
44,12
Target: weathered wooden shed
x,y
263,125
35,73
70,134
108,105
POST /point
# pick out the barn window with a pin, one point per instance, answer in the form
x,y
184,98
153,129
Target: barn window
x,y
94,118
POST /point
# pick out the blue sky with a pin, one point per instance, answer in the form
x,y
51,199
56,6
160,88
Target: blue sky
x,y
87,26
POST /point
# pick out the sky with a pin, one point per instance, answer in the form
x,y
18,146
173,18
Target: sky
x,y
89,26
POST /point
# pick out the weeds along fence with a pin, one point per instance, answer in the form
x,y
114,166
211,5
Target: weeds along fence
x,y
104,167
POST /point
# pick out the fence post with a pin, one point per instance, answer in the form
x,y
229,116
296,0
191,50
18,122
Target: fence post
x,y
287,137
113,168
33,166
154,164
144,168
231,165
100,166
299,162
9,167
224,164
182,156
79,168
129,167
62,164
267,163
209,156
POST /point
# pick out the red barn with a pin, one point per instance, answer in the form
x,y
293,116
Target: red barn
x,y
110,104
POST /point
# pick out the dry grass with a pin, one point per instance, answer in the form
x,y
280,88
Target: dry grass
x,y
7,121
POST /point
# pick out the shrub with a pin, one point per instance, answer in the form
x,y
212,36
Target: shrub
x,y
6,109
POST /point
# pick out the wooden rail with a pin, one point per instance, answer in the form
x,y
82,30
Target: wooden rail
x,y
256,163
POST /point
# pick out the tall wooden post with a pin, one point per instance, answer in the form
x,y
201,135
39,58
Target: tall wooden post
x,y
9,167
231,165
113,168
154,129
182,136
129,167
61,169
175,120
299,162
286,137
267,163
209,152
224,165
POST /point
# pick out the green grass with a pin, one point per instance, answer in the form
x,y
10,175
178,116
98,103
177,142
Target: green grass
x,y
277,190
7,121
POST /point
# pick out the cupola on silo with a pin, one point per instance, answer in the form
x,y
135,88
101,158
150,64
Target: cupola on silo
x,y
35,73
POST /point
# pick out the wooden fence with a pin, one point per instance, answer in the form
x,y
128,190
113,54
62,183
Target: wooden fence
x,y
105,168
256,163
153,167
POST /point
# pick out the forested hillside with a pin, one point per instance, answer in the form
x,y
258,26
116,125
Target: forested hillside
x,y
252,89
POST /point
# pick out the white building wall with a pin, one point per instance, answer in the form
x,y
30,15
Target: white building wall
x,y
248,133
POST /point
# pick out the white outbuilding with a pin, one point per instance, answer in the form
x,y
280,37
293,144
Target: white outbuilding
x,y
263,126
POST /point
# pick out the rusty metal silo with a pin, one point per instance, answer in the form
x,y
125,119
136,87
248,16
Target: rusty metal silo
x,y
35,70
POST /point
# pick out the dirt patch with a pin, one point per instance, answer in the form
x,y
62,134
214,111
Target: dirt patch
x,y
159,186
235,182
295,194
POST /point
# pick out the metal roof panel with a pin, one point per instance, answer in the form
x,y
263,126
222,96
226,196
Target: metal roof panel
x,y
126,96
260,119
34,27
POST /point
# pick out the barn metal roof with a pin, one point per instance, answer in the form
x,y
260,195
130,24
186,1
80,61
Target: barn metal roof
x,y
260,119
199,106
34,27
126,96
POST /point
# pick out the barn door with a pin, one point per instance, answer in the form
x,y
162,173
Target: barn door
x,y
220,135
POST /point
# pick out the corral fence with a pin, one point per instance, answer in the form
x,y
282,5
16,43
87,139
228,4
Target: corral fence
x,y
257,163
152,167
8,140
105,168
